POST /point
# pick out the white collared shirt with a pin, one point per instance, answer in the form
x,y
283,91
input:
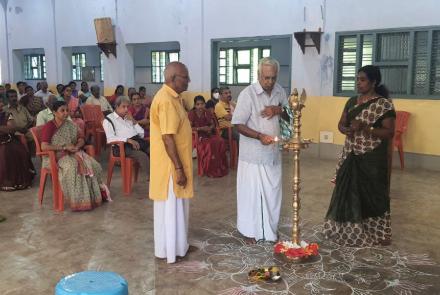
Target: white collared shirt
x,y
123,128
251,102
43,95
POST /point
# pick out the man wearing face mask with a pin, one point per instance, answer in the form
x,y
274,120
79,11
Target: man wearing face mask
x,y
210,104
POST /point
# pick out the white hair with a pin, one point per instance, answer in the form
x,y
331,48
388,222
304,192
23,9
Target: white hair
x,y
268,61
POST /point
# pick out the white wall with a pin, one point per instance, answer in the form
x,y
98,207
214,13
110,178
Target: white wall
x,y
193,23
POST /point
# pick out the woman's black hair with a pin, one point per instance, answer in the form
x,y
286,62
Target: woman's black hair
x,y
199,98
57,104
133,94
119,86
215,89
373,75
64,88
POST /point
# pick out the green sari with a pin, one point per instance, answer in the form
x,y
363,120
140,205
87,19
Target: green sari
x,y
79,174
359,211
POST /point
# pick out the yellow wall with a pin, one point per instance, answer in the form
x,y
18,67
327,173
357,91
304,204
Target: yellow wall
x,y
322,113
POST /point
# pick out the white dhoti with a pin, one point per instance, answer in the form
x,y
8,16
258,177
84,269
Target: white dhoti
x,y
259,195
171,226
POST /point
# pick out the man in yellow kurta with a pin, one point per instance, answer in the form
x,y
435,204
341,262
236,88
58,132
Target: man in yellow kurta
x,y
171,178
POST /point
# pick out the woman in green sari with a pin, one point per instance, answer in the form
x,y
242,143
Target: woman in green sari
x,y
359,212
79,174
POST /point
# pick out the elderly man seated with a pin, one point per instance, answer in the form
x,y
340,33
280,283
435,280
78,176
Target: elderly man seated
x,y
97,99
44,93
46,115
120,126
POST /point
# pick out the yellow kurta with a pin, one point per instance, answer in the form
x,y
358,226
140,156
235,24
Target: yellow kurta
x,y
168,116
222,109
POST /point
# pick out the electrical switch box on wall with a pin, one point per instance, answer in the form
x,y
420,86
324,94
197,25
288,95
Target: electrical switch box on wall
x,y
326,136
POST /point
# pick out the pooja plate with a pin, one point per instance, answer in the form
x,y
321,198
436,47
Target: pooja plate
x,y
265,274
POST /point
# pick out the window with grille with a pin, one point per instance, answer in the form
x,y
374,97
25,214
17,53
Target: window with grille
x,y
159,60
34,67
78,62
239,66
409,60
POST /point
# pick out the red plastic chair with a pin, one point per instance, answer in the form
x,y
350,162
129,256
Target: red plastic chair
x,y
401,125
58,198
93,117
127,167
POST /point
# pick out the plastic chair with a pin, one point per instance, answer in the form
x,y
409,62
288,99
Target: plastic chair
x,y
401,125
58,198
92,116
231,144
127,166
92,283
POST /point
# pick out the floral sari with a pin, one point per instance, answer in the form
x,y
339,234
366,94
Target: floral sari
x,y
359,211
79,174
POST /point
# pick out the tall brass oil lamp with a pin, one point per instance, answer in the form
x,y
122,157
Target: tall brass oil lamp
x,y
295,144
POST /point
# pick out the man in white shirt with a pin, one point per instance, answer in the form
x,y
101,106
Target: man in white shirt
x,y
259,173
120,126
46,115
21,89
97,99
43,92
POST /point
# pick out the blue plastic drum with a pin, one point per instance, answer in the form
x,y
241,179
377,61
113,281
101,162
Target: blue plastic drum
x,y
92,283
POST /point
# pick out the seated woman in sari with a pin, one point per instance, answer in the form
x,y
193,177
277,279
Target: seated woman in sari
x,y
140,112
73,107
119,91
211,149
16,168
359,211
79,174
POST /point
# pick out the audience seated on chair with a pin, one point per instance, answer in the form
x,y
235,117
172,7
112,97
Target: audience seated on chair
x,y
140,112
84,93
73,107
23,120
223,111
72,85
145,99
16,168
215,95
120,126
44,93
211,149
119,91
34,104
79,174
21,89
97,99
46,115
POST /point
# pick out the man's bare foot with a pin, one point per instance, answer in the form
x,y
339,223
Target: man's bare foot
x,y
249,241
